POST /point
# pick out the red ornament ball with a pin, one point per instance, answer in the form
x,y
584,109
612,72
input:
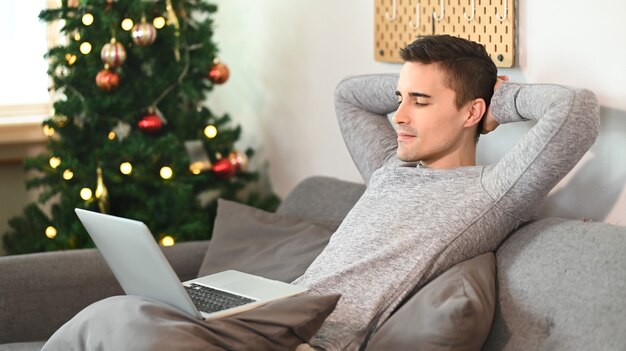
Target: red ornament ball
x,y
143,33
113,53
150,123
219,73
107,80
224,169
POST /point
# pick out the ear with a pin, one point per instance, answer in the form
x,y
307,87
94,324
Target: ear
x,y
475,111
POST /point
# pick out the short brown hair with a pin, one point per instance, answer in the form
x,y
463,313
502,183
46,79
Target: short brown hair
x,y
468,69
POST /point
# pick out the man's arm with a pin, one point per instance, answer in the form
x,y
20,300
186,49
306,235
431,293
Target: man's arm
x,y
567,125
362,104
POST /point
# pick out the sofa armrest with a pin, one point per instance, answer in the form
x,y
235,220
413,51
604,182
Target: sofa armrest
x,y
39,292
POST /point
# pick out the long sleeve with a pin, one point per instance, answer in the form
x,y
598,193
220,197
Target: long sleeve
x,y
362,104
567,125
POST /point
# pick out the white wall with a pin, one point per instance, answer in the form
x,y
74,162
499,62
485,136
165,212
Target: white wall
x,y
286,58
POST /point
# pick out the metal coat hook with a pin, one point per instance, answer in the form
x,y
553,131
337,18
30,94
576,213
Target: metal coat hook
x,y
506,11
441,10
394,10
469,18
417,18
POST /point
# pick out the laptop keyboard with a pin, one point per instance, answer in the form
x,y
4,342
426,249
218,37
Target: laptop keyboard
x,y
211,300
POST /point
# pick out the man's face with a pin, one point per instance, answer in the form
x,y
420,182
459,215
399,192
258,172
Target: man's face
x,y
429,125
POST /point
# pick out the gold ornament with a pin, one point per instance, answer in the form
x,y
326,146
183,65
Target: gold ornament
x,y
113,53
102,194
173,20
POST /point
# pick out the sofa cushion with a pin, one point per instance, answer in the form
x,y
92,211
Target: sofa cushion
x,y
452,312
22,346
138,323
263,243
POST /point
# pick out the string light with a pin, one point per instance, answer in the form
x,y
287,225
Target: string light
x,y
68,174
85,194
127,24
55,162
210,131
87,19
71,58
167,241
126,168
166,172
85,48
158,22
48,131
51,232
195,169
111,135
76,36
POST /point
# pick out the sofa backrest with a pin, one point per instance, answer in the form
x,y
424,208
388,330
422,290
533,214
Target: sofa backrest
x,y
561,286
321,199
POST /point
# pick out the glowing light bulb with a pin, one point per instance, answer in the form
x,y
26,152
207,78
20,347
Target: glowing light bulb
x,y
195,170
55,162
48,131
111,136
76,36
51,232
166,172
158,22
87,19
85,194
85,48
210,131
68,174
126,168
167,241
127,24
70,58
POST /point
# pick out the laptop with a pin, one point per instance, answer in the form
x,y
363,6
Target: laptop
x,y
141,268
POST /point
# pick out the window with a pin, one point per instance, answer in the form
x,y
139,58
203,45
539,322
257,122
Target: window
x,y
24,97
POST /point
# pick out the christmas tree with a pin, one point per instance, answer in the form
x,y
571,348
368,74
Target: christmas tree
x,y
130,134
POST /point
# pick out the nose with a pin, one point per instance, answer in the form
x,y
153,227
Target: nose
x,y
401,116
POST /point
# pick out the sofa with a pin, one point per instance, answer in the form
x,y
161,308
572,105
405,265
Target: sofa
x,y
560,283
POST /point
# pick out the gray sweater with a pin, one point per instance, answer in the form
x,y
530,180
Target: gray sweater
x,y
412,223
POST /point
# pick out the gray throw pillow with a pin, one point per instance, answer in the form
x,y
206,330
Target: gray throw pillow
x,y
263,243
138,323
452,312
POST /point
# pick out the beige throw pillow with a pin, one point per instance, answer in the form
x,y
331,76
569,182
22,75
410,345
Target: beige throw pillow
x,y
452,312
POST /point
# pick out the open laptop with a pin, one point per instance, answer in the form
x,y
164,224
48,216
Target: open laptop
x,y
142,269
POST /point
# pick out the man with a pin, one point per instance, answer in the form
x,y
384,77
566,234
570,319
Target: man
x,y
427,204
431,206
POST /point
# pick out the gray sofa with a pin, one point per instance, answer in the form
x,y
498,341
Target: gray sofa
x,y
561,282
